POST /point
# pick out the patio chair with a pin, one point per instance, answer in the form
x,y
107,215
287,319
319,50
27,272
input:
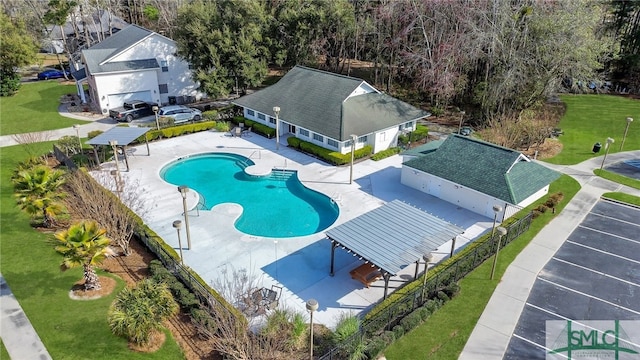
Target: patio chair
x,y
246,132
237,131
272,297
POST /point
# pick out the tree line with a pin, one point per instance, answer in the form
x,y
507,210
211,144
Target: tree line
x,y
492,58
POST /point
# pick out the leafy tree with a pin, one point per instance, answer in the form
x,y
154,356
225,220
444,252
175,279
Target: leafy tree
x,y
84,244
138,311
57,14
17,49
625,25
38,192
223,40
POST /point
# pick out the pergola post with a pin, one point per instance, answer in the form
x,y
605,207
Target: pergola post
x,y
453,246
333,250
146,140
386,277
95,153
415,276
126,159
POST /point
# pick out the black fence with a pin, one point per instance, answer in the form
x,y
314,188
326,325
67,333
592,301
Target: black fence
x,y
64,159
462,264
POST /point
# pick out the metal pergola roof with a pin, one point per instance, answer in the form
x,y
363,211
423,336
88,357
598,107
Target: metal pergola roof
x,y
393,236
123,135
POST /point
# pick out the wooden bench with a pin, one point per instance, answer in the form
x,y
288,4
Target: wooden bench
x,y
366,274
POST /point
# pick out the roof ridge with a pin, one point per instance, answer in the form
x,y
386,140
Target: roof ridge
x,y
329,73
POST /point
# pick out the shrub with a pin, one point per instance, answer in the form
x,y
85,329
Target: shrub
x,y
204,322
293,142
376,344
436,110
210,115
443,296
411,321
222,126
398,331
452,289
424,313
385,153
94,133
432,305
542,208
9,83
347,325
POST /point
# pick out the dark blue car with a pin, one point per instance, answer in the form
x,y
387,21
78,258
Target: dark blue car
x,y
52,74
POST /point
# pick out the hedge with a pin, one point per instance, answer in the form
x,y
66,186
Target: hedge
x,y
421,133
174,131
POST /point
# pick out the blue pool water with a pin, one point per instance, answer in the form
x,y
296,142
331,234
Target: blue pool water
x,y
274,206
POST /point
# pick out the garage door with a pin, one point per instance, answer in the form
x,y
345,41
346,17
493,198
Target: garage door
x,y
116,100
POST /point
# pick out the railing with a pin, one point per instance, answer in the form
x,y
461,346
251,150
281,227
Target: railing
x,y
387,318
64,159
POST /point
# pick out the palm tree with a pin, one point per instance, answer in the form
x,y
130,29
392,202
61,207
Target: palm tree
x,y
137,311
84,244
37,192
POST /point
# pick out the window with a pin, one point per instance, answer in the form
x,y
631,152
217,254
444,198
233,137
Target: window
x,y
261,116
272,120
251,112
163,88
304,132
318,137
362,139
164,65
400,127
332,143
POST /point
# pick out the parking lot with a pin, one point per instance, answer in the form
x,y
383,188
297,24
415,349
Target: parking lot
x,y
595,275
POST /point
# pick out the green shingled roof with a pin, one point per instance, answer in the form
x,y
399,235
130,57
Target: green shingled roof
x,y
491,169
319,101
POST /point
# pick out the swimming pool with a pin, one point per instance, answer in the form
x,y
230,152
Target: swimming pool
x,y
273,206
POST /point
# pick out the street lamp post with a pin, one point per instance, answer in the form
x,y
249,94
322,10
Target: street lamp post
x,y
177,225
155,111
77,127
607,147
353,150
428,258
312,305
496,209
461,119
183,189
276,110
501,232
624,137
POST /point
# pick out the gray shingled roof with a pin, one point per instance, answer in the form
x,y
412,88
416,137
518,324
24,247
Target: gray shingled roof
x,y
113,45
491,169
317,100
394,235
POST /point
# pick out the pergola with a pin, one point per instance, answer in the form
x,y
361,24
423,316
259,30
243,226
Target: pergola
x,y
119,137
392,236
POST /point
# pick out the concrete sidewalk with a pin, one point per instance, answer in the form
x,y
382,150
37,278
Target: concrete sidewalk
x,y
492,333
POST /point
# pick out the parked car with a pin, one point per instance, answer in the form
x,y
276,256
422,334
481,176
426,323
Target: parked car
x,y
180,113
52,74
130,110
466,131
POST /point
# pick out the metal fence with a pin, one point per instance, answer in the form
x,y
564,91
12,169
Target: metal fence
x,y
64,159
464,263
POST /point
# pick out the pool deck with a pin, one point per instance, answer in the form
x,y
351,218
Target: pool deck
x,y
301,264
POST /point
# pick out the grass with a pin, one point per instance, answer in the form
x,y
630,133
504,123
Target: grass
x,y
445,333
69,329
593,118
622,197
620,179
34,108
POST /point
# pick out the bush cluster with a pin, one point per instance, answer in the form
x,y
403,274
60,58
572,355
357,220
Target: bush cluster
x,y
385,153
332,157
174,131
421,133
256,127
550,204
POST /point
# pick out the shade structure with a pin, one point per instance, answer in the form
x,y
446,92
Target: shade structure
x,y
121,137
392,236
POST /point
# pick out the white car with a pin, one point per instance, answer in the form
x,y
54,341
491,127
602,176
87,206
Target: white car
x,y
180,113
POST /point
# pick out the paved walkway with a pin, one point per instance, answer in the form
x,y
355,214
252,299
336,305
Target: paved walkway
x,y
492,333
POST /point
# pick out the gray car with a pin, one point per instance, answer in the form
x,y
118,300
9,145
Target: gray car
x,y
180,113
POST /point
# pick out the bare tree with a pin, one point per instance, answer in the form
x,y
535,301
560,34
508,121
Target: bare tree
x,y
29,141
89,199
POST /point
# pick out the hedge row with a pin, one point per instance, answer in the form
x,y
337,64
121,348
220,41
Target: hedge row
x,y
332,157
421,133
256,127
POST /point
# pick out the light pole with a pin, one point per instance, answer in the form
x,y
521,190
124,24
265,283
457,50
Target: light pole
x,y
353,150
276,110
428,258
114,146
624,137
312,305
183,189
461,119
155,111
606,152
77,127
177,225
501,232
496,209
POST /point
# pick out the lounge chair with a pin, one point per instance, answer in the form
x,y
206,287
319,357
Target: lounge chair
x,y
246,132
237,131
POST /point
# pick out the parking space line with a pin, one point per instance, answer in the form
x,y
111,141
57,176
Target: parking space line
x,y
608,234
602,251
546,349
595,271
589,295
616,219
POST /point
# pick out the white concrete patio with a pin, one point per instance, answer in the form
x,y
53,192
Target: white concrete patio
x,y
300,265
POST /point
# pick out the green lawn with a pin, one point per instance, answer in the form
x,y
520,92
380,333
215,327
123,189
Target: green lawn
x,y
593,118
620,179
35,108
626,198
69,329
445,333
